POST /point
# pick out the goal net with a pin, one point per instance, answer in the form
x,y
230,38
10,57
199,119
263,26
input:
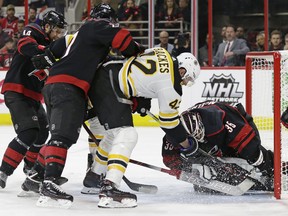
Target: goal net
x,y
266,99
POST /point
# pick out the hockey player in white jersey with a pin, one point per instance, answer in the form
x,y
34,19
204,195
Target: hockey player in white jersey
x,y
153,74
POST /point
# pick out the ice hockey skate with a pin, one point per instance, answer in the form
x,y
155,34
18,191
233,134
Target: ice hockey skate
x,y
32,183
3,179
111,197
51,195
31,186
92,183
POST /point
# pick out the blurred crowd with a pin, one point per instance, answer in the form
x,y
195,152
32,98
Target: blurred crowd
x,y
230,50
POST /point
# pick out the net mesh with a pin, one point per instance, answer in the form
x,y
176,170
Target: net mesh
x,y
262,105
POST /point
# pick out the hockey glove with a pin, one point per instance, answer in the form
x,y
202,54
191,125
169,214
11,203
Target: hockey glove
x,y
41,74
191,151
43,61
140,47
140,105
284,118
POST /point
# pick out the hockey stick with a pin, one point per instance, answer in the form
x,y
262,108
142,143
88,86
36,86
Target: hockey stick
x,y
144,188
150,189
193,177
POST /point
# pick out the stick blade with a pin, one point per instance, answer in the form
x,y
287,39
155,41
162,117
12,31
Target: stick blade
x,y
243,187
144,188
149,189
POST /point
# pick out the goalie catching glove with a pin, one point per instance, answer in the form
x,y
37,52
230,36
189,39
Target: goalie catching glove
x,y
43,61
141,105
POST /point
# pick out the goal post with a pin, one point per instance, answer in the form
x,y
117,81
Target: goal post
x,y
266,99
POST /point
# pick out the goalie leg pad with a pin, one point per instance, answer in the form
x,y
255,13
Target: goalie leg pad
x,y
205,172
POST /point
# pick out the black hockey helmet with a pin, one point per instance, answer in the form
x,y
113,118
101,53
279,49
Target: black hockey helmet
x,y
54,19
104,11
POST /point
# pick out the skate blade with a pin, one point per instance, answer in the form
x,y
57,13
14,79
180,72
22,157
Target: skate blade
x,y
27,194
45,201
2,184
91,191
107,202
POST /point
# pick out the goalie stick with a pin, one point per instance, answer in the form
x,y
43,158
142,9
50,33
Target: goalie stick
x,y
192,177
144,188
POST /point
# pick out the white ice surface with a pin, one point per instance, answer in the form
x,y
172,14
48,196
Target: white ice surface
x,y
173,198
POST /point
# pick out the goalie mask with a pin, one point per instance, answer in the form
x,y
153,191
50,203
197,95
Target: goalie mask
x,y
104,11
188,61
192,122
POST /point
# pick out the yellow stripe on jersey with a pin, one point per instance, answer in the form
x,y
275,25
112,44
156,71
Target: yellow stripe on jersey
x,y
118,157
117,167
170,124
99,137
168,115
101,156
93,145
125,73
118,162
102,162
168,120
68,39
102,152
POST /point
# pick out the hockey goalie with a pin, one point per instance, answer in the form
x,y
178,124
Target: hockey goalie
x,y
226,132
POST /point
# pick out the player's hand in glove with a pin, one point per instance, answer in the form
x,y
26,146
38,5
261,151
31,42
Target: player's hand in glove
x,y
284,118
41,74
140,47
43,61
140,105
191,151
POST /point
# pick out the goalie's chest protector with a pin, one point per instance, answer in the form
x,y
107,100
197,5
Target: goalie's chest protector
x,y
212,118
223,119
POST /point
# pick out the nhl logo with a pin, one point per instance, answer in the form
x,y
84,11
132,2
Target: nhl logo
x,y
223,89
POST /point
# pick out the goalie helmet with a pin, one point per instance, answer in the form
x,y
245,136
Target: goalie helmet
x,y
104,11
192,122
189,62
54,19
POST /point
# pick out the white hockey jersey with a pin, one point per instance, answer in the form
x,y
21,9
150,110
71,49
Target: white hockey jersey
x,y
151,75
